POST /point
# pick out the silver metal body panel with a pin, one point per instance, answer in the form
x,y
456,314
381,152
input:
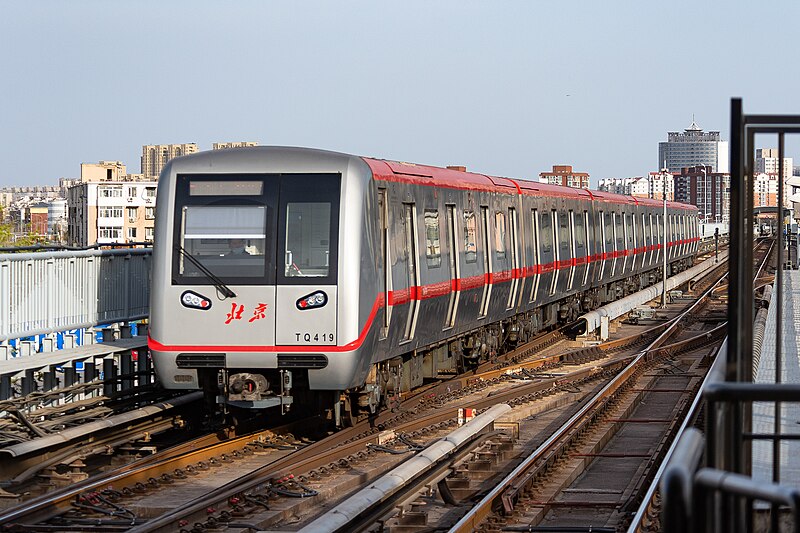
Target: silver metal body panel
x,y
416,296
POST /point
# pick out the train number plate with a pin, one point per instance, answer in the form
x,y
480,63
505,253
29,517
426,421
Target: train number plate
x,y
314,337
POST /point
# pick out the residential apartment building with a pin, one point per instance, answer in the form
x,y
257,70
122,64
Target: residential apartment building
x,y
765,190
564,175
155,156
693,147
709,191
659,182
102,171
650,186
225,146
116,211
767,163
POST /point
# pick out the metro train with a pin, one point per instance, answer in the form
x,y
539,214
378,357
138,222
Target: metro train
x,y
299,276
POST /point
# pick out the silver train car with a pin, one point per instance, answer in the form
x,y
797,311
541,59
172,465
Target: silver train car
x,y
297,276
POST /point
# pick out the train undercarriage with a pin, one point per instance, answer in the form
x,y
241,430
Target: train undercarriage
x,y
288,389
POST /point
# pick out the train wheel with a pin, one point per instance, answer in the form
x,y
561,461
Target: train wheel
x,y
346,411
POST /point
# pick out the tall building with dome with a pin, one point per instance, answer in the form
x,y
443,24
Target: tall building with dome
x,y
692,148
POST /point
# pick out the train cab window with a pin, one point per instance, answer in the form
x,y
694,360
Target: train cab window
x,y
470,237
309,229
226,226
500,234
433,248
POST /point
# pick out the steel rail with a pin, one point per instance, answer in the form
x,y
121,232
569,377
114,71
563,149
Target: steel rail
x,y
515,482
648,499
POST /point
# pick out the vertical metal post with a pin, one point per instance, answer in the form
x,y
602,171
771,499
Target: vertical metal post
x,y
89,375
70,376
5,387
664,274
126,369
109,376
736,245
28,382
144,366
49,379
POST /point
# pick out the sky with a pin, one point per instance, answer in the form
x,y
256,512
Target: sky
x,y
503,87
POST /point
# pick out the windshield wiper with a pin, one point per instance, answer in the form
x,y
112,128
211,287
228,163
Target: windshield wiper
x,y
218,283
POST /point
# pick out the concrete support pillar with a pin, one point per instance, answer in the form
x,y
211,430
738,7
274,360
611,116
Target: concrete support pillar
x,y
125,332
604,323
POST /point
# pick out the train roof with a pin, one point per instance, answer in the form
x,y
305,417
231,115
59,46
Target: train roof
x,y
438,177
456,179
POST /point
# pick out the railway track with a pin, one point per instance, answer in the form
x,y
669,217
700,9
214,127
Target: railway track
x,y
559,376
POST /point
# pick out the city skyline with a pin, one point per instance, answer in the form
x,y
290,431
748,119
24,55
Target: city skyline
x,y
501,91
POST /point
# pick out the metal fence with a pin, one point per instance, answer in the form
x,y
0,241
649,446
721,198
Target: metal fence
x,y
48,292
708,486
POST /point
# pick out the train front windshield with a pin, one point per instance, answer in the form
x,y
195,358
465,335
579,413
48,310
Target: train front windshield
x,y
256,229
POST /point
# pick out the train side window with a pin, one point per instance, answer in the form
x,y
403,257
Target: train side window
x,y
620,234
500,234
564,236
580,236
470,238
546,234
630,233
433,248
608,232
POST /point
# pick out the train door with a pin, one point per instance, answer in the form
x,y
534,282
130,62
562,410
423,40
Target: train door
x,y
455,268
536,263
626,232
587,253
603,247
487,263
619,242
384,261
306,289
647,224
412,272
659,238
556,252
571,279
515,277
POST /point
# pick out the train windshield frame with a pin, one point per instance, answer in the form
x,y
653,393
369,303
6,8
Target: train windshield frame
x,y
238,225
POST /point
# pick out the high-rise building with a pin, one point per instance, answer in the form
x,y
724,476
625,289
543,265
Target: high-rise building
x,y
693,147
155,156
564,175
767,162
709,191
242,144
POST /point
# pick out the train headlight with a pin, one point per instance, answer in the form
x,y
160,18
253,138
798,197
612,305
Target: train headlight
x,y
312,301
193,300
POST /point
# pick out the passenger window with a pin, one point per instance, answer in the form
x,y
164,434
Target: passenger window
x,y
580,236
433,249
470,246
500,234
546,234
